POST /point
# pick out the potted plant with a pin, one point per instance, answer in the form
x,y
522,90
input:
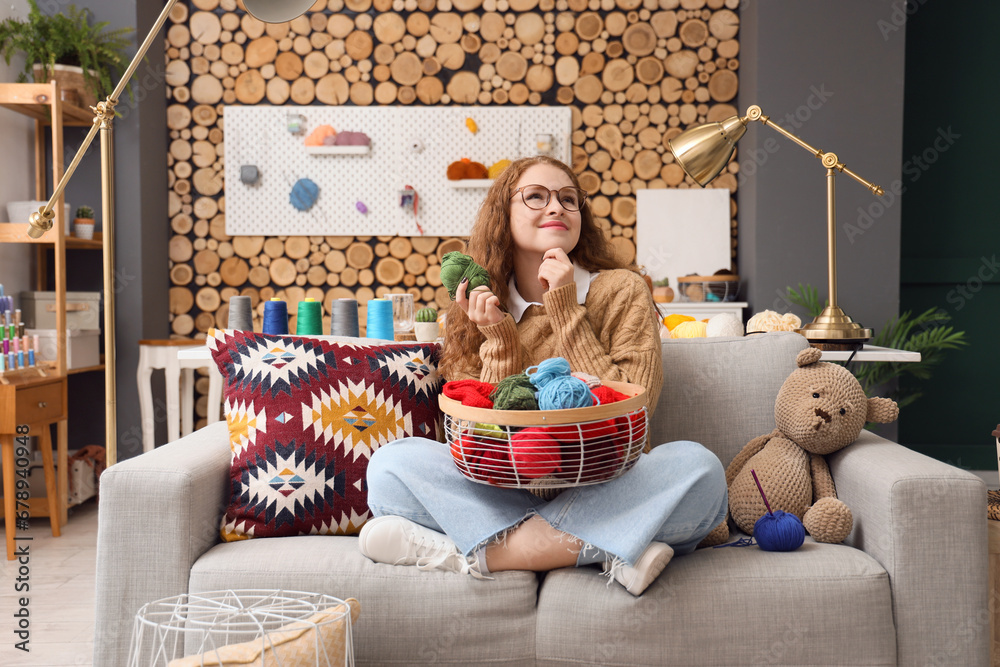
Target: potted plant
x,y
662,291
83,224
67,46
426,327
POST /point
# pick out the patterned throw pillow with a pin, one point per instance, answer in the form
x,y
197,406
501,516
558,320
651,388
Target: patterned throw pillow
x,y
305,415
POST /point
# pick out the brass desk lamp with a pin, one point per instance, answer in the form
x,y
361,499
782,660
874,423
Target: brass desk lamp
x,y
269,11
703,151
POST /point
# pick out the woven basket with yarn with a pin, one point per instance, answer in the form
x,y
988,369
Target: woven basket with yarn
x,y
547,449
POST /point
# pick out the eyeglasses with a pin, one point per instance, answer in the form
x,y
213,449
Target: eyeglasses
x,y
537,197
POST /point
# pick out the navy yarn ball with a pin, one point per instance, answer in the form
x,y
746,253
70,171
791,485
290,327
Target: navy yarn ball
x,y
779,532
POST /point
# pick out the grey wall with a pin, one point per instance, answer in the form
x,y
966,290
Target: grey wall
x,y
141,223
832,74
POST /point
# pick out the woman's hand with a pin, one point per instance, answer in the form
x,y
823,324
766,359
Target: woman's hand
x,y
482,306
556,269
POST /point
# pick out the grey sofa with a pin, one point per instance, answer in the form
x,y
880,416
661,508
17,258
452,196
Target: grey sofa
x,y
908,587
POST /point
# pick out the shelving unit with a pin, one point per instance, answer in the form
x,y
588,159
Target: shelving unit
x,y
339,150
466,183
41,102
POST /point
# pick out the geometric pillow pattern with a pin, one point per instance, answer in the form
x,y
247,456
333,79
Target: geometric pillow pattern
x,y
304,416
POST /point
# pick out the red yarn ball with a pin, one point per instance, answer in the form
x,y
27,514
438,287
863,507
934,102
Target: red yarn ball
x,y
470,392
607,395
534,452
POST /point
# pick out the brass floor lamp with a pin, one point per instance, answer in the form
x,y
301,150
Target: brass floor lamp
x,y
269,11
703,151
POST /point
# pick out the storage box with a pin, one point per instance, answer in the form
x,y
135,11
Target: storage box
x,y
83,310
82,346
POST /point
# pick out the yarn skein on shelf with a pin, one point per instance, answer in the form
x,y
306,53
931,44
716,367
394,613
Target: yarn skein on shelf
x,y
276,317
557,389
455,266
777,531
309,321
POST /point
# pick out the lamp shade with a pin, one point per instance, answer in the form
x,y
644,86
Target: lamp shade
x,y
277,11
703,151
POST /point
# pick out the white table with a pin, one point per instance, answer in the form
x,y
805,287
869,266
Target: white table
x,y
701,310
873,353
197,357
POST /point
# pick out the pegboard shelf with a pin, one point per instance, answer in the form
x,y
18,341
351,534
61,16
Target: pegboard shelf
x,y
471,183
339,150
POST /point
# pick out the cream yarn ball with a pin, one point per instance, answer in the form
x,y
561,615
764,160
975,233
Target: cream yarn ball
x,y
769,320
724,324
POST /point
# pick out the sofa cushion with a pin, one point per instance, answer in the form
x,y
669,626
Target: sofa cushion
x,y
304,416
411,617
720,392
823,604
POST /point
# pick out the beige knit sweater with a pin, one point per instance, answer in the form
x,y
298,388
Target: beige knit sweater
x,y
614,335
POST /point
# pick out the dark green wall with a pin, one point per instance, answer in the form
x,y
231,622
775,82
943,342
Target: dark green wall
x,y
950,252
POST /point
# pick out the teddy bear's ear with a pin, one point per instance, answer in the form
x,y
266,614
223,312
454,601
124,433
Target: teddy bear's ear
x,y
810,355
882,410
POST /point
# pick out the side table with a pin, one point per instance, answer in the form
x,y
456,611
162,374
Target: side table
x,y
179,382
37,402
229,627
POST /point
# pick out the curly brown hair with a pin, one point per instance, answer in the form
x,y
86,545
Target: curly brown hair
x,y
491,245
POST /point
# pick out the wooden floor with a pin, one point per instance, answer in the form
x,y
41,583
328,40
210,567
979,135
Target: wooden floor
x,y
61,599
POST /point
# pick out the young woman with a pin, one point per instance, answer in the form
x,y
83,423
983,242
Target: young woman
x,y
557,290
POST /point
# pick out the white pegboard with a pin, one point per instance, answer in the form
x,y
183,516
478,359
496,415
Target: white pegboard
x,y
409,146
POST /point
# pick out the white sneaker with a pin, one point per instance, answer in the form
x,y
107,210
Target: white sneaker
x,y
398,541
636,578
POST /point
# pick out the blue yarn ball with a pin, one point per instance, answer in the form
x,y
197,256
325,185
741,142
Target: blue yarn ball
x,y
304,194
547,371
564,392
779,532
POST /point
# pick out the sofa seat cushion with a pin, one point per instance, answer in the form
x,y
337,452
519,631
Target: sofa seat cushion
x,y
822,604
409,617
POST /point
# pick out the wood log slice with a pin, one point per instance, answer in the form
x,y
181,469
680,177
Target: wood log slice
x,y
429,90
288,66
590,182
406,69
389,271
425,245
205,27
362,94
589,26
340,26
567,43
248,246
259,276
333,89
180,300
463,88
260,51
681,64
567,70
492,26
359,255
450,245
724,25
206,89
206,261
180,249
588,89
234,271
693,33
723,85
618,75
208,299
389,28
446,28
664,24
623,211
512,66
610,138
282,271
624,249
592,63
177,73
639,39
539,78
451,56
297,247
529,28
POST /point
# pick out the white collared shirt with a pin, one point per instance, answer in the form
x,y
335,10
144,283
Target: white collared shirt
x,y
518,305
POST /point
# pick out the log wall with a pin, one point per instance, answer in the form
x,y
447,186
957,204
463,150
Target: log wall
x,y
634,72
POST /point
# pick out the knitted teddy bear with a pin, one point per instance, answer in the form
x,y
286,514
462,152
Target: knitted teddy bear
x,y
821,408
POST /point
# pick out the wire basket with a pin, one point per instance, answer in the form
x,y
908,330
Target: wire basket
x,y
547,449
708,288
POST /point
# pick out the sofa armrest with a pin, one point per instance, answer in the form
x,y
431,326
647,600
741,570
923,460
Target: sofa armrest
x,y
158,513
925,522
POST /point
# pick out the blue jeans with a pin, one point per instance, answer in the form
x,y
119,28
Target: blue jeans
x,y
676,494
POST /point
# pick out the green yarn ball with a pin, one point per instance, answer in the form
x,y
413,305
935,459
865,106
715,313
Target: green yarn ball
x,y
514,392
455,266
427,315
